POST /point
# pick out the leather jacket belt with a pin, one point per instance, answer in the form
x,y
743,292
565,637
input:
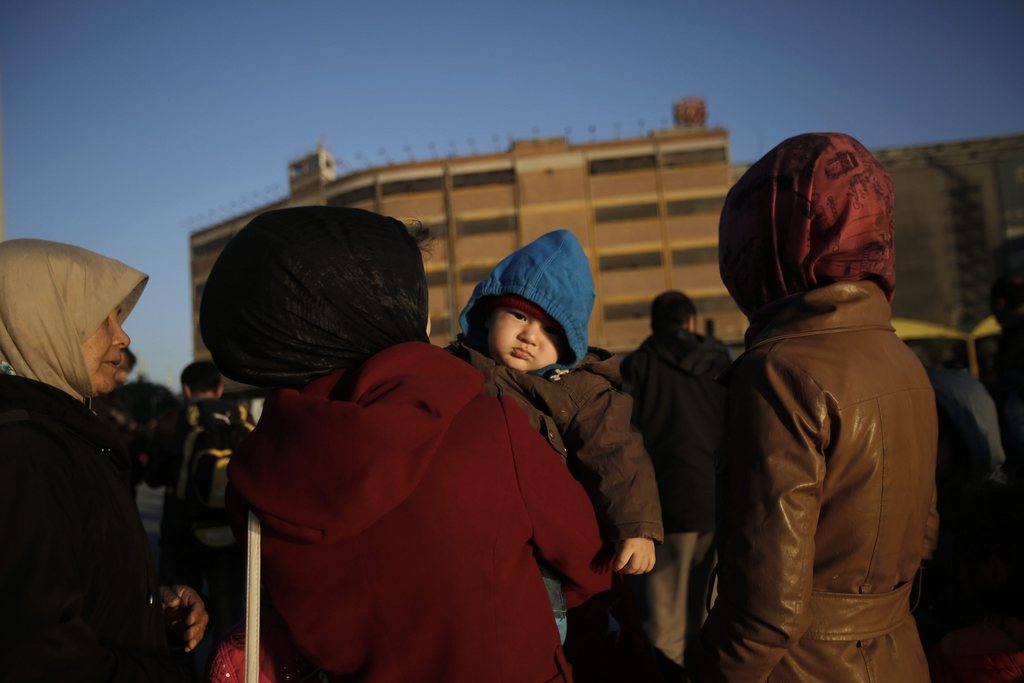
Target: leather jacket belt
x,y
851,616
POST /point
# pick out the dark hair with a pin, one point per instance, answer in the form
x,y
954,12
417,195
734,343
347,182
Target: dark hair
x,y
128,359
421,234
1010,289
201,377
671,309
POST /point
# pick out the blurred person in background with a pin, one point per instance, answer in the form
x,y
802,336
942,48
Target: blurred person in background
x,y
113,409
81,597
1007,383
680,410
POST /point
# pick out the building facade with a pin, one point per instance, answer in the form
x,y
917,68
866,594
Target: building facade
x,y
646,211
959,225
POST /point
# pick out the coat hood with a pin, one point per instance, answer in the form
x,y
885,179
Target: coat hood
x,y
303,291
690,353
815,210
328,460
53,297
552,272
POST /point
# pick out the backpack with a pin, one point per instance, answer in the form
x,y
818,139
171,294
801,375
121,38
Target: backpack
x,y
216,428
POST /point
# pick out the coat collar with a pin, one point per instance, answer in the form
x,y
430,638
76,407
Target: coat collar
x,y
839,307
835,308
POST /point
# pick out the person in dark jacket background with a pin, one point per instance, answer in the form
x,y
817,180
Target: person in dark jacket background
x,y
1007,382
680,410
81,598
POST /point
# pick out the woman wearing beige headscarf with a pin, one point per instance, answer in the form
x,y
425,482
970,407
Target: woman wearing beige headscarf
x,y
80,597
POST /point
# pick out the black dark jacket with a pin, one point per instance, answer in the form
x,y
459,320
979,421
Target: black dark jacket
x,y
680,410
80,598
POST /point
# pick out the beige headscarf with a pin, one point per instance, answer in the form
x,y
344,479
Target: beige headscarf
x,y
52,298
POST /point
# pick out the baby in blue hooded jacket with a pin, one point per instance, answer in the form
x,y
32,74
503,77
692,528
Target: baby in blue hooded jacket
x,y
525,329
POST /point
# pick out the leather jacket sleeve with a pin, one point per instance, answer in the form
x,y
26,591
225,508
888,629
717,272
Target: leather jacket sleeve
x,y
607,455
773,468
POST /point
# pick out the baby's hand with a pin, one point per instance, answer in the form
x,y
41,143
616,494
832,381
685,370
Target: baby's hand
x,y
634,556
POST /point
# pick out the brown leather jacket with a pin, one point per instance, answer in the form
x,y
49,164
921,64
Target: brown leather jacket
x,y
587,420
827,498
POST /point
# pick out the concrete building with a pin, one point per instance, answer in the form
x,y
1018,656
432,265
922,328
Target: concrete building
x,y
646,211
959,225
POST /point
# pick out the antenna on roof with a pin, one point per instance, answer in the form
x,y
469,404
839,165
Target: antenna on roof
x,y
384,153
617,127
496,140
408,152
472,145
593,132
433,150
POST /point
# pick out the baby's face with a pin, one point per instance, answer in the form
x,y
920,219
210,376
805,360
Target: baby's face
x,y
519,341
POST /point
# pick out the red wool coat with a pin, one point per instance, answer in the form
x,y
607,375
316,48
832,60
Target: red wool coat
x,y
401,511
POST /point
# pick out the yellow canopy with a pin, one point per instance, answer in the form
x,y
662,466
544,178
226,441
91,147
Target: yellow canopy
x,y
907,329
986,328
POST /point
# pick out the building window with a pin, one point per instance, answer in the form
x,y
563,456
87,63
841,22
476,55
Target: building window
x,y
439,326
474,274
632,309
684,257
682,207
407,186
502,177
709,304
352,196
436,278
624,213
622,164
437,230
695,157
485,225
213,246
646,259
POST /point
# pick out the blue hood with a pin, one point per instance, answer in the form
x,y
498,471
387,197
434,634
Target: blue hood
x,y
552,272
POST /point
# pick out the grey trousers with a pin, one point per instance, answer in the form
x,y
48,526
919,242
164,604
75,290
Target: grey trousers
x,y
671,598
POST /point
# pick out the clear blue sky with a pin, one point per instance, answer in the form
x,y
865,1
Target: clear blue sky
x,y
129,124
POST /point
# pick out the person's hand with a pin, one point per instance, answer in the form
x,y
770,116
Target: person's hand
x,y
184,613
634,556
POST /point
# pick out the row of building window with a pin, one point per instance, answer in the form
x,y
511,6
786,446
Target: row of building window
x,y
607,263
507,176
714,155
675,207
642,309
431,184
621,311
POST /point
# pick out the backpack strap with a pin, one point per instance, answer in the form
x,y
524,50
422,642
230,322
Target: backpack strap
x,y
187,451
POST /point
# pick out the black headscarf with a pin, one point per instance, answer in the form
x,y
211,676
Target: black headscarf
x,y
301,292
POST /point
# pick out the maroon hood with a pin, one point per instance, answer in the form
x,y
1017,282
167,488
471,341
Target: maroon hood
x,y
815,210
328,460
